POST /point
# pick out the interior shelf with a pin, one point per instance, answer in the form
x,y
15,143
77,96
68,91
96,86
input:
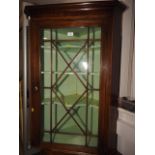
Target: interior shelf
x,y
70,73
69,100
65,47
70,40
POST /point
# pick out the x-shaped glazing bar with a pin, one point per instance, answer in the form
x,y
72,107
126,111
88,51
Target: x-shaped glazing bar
x,y
68,112
68,64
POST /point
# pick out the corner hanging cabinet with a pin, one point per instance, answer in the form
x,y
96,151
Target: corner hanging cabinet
x,y
74,57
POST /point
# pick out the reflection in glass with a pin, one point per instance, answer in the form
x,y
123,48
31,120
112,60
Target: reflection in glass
x,y
70,71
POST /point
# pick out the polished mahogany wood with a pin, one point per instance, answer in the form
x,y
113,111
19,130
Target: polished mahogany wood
x,y
107,15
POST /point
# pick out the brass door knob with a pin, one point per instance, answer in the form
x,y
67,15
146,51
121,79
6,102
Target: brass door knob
x,y
32,109
36,88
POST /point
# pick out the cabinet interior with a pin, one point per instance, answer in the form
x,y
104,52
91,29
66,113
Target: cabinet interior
x,y
70,84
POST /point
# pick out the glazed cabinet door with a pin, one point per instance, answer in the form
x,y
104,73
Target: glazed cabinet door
x,y
70,85
73,77
65,71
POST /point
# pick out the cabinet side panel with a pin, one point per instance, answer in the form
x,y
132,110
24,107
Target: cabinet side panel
x,y
116,58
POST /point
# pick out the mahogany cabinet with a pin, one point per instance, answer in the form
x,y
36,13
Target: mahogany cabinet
x,y
74,61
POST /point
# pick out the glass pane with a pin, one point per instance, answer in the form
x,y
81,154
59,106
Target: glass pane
x,y
70,71
46,56
95,32
46,137
46,34
69,139
70,33
58,63
93,112
45,96
46,79
46,113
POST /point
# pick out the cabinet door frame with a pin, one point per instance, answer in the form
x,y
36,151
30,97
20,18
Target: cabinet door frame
x,y
103,18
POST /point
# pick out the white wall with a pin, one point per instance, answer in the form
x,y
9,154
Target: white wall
x,y
126,132
127,84
126,120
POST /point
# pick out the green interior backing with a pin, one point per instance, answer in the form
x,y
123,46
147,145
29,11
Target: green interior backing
x,y
70,71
